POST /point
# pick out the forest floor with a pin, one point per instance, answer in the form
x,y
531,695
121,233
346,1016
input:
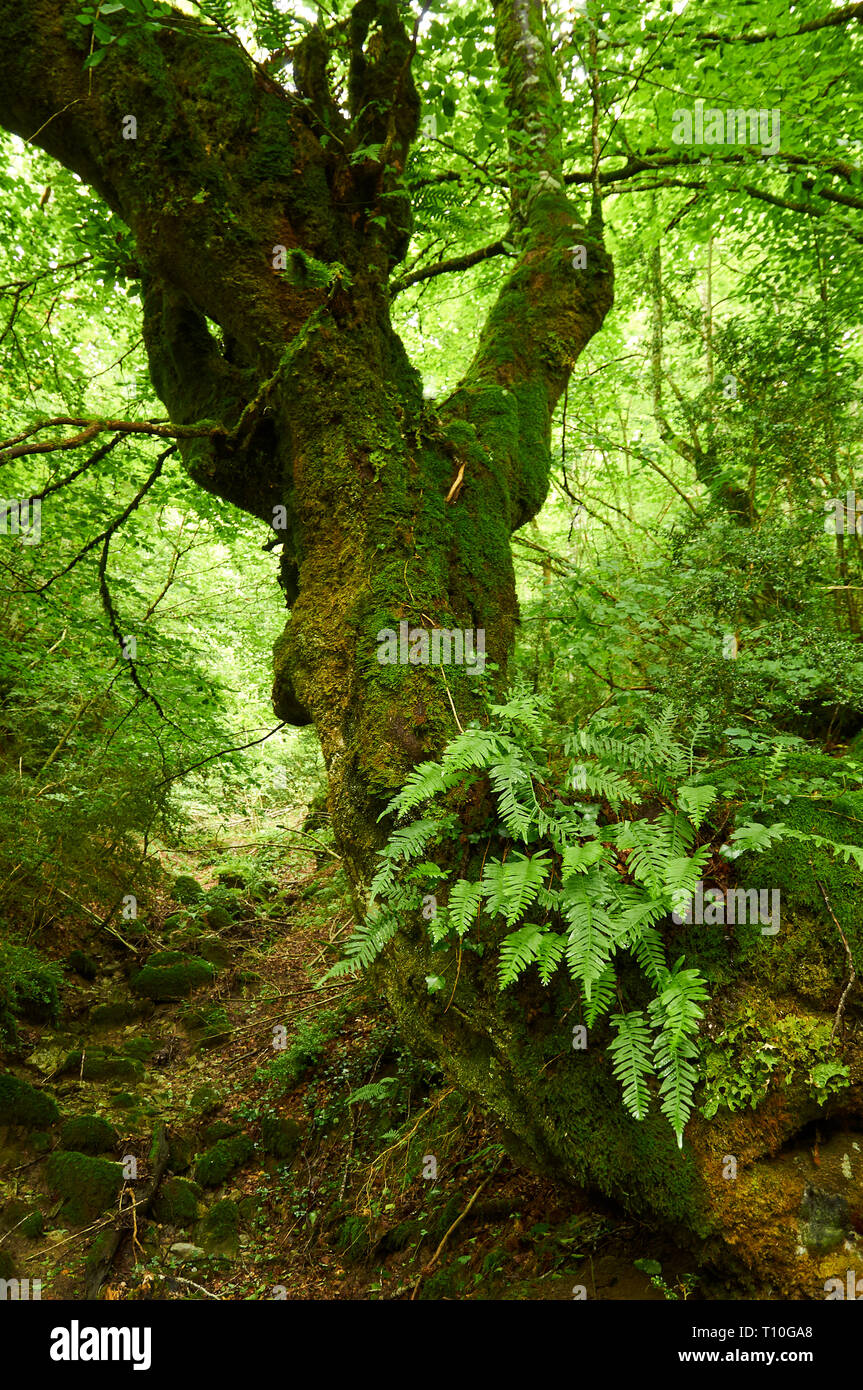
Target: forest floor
x,y
300,1151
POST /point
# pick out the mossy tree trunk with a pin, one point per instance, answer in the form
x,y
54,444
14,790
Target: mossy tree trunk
x,y
394,510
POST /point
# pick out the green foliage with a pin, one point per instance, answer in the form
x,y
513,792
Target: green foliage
x,y
615,881
307,1048
752,1054
29,987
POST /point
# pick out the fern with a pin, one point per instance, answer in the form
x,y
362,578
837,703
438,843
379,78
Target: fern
x,y
464,901
676,1014
511,888
632,1058
603,890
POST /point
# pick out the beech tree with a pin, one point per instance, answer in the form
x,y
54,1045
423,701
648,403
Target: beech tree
x,y
269,200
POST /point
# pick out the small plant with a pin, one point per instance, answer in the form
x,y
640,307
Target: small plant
x,y
682,1289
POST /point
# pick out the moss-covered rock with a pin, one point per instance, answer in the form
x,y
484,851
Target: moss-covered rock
x,y
141,1047
218,1163
187,890
165,958
215,951
22,1218
33,1225
120,1013
219,1232
88,1134
181,1150
21,1104
102,1064
205,1099
220,1129
280,1136
7,1265
83,964
177,1202
88,1185
164,983
123,1100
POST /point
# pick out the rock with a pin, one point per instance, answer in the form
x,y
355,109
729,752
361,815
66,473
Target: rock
x,y
187,890
88,1185
177,1202
124,1100
218,1163
121,1012
48,1057
102,1064
22,1218
219,1230
83,964
165,958
184,1251
280,1137
21,1104
824,1220
88,1134
215,951
219,1129
181,1151
205,1099
32,1226
164,983
141,1047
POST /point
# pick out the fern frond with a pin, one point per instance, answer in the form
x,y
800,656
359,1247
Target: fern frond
x,y
632,1060
463,905
521,948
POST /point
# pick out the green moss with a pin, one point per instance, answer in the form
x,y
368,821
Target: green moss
x,y
164,983
186,889
205,1099
88,1134
219,919
32,1226
219,1129
218,1233
112,1015
165,958
216,1165
88,1185
22,1104
211,949
177,1202
100,1064
280,1136
83,964
124,1100
762,1047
